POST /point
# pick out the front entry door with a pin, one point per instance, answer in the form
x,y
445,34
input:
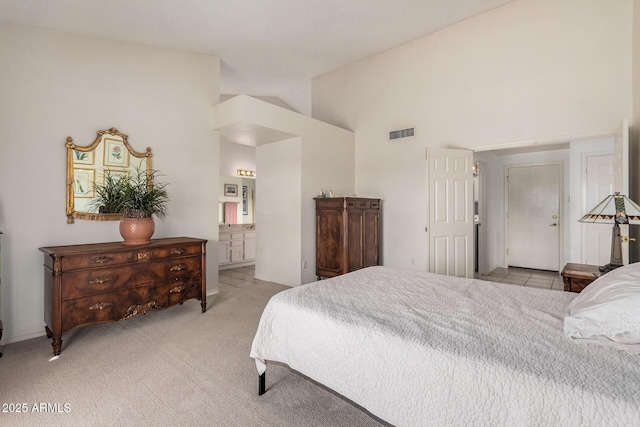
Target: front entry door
x,y
533,216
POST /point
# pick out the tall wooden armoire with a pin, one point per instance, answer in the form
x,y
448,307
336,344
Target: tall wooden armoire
x,y
347,234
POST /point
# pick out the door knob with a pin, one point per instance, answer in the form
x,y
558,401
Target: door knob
x,y
555,224
626,239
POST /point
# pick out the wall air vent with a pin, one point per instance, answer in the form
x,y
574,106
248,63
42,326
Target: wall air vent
x,y
403,133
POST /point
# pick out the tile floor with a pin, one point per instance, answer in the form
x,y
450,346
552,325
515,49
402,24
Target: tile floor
x,y
244,276
526,277
239,277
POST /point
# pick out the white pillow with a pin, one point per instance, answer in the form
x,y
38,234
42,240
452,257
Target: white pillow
x,y
607,312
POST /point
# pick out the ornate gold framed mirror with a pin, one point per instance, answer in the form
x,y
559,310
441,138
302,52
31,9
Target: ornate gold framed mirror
x,y
86,165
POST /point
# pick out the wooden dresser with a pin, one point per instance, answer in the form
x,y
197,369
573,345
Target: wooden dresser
x,y
103,282
347,234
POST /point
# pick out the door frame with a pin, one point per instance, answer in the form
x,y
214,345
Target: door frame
x,y
481,244
561,217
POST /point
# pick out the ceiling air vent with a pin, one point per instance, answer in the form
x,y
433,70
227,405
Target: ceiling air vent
x,y
403,133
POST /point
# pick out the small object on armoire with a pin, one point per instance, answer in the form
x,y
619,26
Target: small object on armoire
x,y
330,193
322,193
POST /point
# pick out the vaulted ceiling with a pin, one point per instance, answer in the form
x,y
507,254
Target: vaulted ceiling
x,y
267,47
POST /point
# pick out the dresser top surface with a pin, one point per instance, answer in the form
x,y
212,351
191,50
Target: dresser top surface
x,y
346,198
117,246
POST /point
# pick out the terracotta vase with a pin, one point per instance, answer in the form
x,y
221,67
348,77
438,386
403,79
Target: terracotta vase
x,y
137,231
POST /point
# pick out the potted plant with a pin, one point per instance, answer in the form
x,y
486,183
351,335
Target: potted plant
x,y
137,197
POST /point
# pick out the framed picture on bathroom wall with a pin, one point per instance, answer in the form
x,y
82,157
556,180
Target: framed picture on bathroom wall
x,y
245,207
231,190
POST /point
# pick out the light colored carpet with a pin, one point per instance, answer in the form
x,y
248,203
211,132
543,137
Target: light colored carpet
x,y
175,367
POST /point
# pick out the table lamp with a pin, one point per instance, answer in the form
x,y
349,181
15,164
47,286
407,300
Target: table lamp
x,y
615,209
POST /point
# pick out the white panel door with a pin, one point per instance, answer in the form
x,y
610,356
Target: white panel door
x,y
450,186
621,176
533,216
599,184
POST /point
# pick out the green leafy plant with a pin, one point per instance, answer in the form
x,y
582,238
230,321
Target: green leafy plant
x,y
139,195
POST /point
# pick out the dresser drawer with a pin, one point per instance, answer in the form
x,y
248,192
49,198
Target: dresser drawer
x,y
168,252
90,282
98,308
79,262
126,303
120,257
176,292
358,204
363,204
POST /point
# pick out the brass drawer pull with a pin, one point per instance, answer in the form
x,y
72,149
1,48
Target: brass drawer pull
x,y
101,279
144,255
178,251
102,259
101,305
178,288
178,267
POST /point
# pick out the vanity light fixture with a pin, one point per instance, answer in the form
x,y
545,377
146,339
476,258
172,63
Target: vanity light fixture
x,y
242,172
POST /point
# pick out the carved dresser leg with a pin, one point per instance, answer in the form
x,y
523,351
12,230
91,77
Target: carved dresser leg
x,y
57,345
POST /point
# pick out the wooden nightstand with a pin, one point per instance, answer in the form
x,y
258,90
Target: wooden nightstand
x,y
576,277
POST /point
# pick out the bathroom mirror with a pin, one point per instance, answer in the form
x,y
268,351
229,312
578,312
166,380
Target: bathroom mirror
x,y
86,166
241,200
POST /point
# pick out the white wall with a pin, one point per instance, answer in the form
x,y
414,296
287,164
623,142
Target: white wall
x,y
529,71
54,85
236,156
278,201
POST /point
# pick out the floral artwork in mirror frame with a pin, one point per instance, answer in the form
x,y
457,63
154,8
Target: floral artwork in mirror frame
x,y
82,157
83,183
115,153
231,190
245,207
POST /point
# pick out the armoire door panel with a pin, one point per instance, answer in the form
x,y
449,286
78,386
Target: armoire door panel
x,y
371,226
347,234
329,249
354,241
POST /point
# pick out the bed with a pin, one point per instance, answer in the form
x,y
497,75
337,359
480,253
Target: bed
x,y
415,348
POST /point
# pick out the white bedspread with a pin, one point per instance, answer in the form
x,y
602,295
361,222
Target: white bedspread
x,y
416,348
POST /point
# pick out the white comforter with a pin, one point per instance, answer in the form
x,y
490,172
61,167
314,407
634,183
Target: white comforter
x,y
416,348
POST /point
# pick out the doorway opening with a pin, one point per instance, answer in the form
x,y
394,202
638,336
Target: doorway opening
x,y
533,197
236,206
